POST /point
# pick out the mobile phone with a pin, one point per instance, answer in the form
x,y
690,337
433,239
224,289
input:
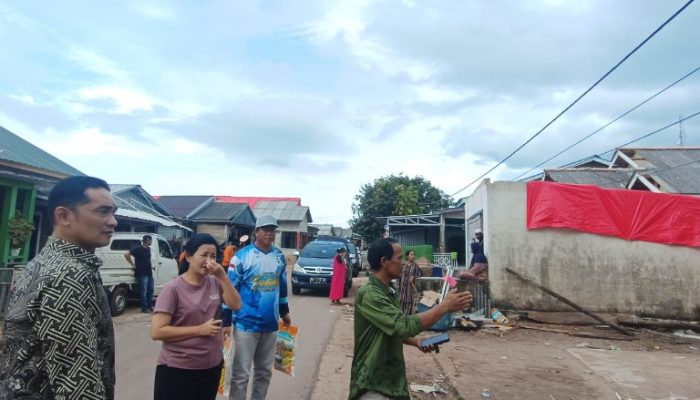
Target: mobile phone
x,y
435,340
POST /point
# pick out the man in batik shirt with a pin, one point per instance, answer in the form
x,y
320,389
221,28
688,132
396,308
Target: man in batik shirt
x,y
59,337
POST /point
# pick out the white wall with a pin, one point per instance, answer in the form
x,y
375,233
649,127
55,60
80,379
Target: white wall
x,y
600,273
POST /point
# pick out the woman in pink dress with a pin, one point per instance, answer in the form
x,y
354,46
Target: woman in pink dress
x,y
338,280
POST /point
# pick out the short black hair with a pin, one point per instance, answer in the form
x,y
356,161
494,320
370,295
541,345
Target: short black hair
x,y
193,245
70,192
380,248
146,237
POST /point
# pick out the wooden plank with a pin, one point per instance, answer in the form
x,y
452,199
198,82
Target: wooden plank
x,y
657,323
572,304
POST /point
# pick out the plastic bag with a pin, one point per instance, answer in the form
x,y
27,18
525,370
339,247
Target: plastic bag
x,y
225,380
286,348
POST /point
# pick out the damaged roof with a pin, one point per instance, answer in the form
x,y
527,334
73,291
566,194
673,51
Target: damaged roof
x,y
616,178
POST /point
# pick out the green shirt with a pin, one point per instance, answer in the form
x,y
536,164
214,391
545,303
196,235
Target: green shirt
x,y
380,328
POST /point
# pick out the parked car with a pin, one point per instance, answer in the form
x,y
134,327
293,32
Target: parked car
x,y
355,259
314,267
118,275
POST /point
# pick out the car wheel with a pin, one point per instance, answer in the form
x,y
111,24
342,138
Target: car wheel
x,y
117,300
346,289
355,273
296,289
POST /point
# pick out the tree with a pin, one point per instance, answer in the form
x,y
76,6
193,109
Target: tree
x,y
394,195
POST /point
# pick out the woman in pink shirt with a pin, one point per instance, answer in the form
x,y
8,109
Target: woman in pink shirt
x,y
187,320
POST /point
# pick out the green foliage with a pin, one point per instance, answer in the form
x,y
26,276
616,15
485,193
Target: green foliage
x,y
20,230
394,195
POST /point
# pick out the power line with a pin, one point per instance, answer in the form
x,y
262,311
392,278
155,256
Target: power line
x,y
653,132
609,123
578,98
641,137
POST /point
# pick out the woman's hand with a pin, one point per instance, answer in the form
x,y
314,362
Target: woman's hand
x,y
214,268
209,328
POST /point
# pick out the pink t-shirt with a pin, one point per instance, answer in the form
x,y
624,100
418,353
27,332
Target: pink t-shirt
x,y
191,305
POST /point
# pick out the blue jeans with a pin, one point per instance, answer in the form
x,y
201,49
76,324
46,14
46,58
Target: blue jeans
x,y
145,291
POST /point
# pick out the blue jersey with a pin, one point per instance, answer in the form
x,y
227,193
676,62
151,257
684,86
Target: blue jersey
x,y
261,280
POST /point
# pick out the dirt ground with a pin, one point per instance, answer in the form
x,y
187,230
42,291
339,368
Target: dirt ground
x,y
530,364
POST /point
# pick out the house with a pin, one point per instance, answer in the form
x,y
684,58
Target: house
x,y
443,229
224,221
661,170
293,218
665,170
138,211
600,273
27,175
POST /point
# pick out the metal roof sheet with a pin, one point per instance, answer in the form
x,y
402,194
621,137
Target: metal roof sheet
x,y
15,149
616,178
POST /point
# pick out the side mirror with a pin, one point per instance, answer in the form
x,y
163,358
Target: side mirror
x,y
296,254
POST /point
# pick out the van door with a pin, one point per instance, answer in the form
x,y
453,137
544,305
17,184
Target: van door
x,y
165,266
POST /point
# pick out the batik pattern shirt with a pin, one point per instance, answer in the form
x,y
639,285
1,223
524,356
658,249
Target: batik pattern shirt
x,y
380,328
261,280
59,337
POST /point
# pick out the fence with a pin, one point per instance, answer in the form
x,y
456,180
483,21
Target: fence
x,y
8,276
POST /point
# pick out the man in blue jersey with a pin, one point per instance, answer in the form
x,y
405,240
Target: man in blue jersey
x,y
258,271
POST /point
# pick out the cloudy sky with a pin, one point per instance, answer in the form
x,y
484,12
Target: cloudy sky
x,y
316,98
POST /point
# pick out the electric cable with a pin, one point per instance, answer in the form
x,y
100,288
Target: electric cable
x,y
578,98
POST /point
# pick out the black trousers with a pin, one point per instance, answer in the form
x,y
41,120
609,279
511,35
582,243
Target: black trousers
x,y
186,384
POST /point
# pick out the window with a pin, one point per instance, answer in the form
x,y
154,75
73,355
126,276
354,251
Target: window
x,y
164,248
289,240
124,244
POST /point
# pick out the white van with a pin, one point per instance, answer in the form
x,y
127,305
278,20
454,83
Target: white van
x,y
118,275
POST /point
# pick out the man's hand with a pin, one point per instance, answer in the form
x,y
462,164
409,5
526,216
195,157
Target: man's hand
x,y
287,320
414,341
457,301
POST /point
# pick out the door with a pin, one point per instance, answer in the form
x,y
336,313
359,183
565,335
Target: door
x,y
165,265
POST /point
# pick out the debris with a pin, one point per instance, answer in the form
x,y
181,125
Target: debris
x,y
688,333
498,317
577,334
434,388
429,298
614,348
572,304
561,318
657,323
485,394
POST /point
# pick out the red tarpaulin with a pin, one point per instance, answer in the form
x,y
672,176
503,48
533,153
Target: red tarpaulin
x,y
627,214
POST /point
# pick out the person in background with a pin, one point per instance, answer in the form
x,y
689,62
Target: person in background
x,y
59,336
259,272
407,287
185,320
229,251
381,328
339,275
143,271
478,266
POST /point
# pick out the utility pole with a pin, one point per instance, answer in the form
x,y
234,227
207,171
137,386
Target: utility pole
x,y
681,132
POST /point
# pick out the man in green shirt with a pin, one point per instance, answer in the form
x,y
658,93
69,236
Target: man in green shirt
x,y
381,328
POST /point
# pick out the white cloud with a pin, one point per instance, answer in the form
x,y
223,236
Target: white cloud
x,y
127,101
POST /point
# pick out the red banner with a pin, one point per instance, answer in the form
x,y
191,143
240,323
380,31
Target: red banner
x,y
627,214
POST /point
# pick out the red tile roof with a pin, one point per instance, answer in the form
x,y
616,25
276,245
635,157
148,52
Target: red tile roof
x,y
253,201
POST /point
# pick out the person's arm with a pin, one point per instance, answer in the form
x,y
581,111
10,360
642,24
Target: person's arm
x,y
382,313
283,300
230,295
162,330
68,337
127,257
453,302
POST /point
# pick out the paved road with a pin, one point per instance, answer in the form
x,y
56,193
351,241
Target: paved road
x,y
137,353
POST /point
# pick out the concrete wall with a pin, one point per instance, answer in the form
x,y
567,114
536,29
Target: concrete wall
x,y
600,273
